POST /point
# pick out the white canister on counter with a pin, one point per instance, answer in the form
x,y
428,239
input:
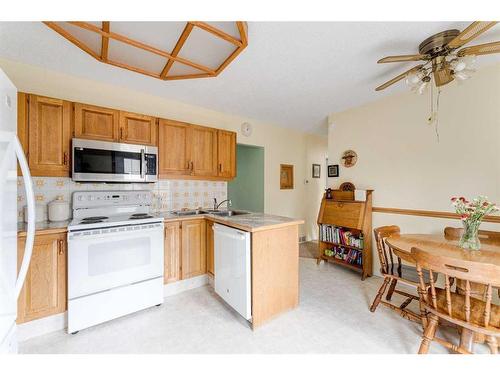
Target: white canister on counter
x,y
40,213
59,210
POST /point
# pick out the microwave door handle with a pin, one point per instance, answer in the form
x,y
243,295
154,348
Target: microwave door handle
x,y
30,200
143,165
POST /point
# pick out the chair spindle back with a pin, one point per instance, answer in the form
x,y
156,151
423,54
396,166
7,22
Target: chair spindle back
x,y
384,251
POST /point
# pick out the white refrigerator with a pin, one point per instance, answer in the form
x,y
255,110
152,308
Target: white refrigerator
x,y
11,281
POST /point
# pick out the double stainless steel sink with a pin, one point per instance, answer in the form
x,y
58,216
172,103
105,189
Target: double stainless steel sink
x,y
212,212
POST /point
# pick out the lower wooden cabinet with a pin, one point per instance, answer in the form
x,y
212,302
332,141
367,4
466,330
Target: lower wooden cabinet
x,y
210,247
194,254
44,290
172,258
185,249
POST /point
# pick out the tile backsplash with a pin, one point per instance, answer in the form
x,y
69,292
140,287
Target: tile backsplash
x,y
168,195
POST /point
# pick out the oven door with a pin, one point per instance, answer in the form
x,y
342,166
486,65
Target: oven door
x,y
113,162
108,258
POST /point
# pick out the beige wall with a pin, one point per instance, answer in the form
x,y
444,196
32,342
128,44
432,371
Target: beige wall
x,y
400,158
281,145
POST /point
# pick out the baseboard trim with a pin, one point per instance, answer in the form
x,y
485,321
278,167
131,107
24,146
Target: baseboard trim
x,y
53,323
184,285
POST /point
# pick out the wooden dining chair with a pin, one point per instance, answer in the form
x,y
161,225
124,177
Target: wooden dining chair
x,y
394,271
476,315
452,233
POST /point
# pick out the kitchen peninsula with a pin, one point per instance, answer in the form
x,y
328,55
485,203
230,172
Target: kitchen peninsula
x,y
188,253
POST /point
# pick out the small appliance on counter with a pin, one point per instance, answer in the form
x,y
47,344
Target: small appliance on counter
x,y
40,213
59,210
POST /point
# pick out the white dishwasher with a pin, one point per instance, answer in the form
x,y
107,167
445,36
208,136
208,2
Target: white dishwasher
x,y
232,268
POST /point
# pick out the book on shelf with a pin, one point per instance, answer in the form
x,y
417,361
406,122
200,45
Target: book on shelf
x,y
341,236
351,256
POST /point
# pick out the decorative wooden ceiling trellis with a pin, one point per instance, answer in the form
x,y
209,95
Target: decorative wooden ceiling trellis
x,y
153,48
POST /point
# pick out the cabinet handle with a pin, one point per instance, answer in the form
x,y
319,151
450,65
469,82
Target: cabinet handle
x,y
121,133
220,167
60,245
192,167
65,158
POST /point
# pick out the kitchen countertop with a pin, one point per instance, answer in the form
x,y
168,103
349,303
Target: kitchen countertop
x,y
251,222
44,227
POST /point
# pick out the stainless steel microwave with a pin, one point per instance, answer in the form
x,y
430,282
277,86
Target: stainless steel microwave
x,y
113,162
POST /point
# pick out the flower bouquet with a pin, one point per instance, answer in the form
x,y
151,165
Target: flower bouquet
x,y
472,213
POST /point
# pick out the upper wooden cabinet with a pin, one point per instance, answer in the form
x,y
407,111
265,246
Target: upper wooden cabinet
x,y
92,122
136,128
172,148
194,255
202,151
49,136
226,145
44,290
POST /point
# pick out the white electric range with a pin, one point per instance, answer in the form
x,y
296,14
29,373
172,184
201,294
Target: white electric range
x,y
115,256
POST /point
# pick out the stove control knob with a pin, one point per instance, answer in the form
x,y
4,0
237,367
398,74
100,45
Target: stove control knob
x,y
79,198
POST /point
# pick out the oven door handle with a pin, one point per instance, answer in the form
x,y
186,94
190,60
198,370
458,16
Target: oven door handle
x,y
143,165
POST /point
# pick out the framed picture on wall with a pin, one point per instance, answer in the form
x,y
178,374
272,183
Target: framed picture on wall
x,y
286,176
316,171
333,170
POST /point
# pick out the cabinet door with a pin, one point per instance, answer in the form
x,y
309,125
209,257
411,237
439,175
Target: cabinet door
x,y
97,123
226,145
210,247
172,260
194,255
172,148
44,290
22,123
49,133
136,128
202,151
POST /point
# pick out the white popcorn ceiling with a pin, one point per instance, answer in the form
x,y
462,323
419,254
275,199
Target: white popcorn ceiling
x,y
293,74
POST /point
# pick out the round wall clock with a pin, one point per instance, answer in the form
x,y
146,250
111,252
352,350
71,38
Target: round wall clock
x,y
349,158
246,129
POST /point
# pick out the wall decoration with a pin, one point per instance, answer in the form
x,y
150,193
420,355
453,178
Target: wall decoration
x,y
333,170
347,186
286,176
349,158
246,129
316,171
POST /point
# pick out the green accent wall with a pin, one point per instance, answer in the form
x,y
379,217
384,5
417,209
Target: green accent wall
x,y
246,191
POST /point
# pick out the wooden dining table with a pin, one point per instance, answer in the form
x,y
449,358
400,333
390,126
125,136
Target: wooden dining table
x,y
439,245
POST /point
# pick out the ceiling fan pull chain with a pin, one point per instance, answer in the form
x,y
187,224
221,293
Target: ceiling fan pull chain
x,y
437,114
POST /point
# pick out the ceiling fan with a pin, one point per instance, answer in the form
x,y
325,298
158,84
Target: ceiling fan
x,y
441,58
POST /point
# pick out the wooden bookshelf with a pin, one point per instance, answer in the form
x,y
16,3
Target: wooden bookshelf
x,y
347,214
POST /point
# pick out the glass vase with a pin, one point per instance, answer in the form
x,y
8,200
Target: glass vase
x,y
470,238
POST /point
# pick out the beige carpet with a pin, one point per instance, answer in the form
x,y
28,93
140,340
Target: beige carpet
x,y
308,249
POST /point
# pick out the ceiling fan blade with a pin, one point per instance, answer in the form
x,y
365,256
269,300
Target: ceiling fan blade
x,y
398,78
480,49
472,31
390,59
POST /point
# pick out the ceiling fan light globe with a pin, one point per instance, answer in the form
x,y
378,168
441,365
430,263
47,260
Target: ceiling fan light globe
x,y
413,79
458,65
422,87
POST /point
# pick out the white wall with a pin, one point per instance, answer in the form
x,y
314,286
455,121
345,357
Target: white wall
x,y
317,150
400,158
282,146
